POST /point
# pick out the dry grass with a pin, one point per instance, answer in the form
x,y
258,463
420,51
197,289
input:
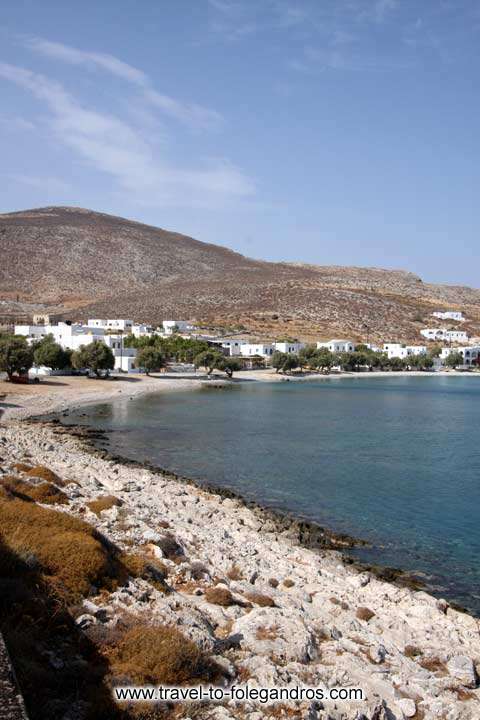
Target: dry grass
x,y
260,599
411,651
154,571
364,613
70,555
21,467
44,492
103,503
235,572
434,665
160,655
219,596
40,471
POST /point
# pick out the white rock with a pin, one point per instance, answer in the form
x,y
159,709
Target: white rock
x,y
274,632
408,707
462,668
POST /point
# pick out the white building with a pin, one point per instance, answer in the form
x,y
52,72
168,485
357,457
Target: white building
x,y
288,347
172,326
68,335
233,346
449,315
442,334
262,349
470,354
397,350
140,330
336,346
125,358
112,325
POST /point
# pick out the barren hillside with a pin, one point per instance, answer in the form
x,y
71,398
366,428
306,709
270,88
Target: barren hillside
x,y
89,263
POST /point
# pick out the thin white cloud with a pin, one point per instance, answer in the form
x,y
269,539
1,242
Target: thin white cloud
x,y
190,114
47,184
111,145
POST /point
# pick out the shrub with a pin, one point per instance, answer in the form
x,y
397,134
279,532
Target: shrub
x,y
21,467
154,572
70,554
364,613
273,582
160,655
40,471
170,547
45,492
411,651
103,503
235,572
219,596
260,599
288,583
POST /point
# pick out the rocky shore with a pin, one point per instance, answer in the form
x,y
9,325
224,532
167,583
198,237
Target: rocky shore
x,y
266,609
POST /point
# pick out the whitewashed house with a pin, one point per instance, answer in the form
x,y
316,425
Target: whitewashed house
x,y
233,346
68,335
470,354
336,346
112,325
449,315
172,326
140,330
397,350
442,334
262,349
289,348
125,358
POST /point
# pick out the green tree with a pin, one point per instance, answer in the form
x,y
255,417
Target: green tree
x,y
16,356
97,357
290,362
454,359
306,356
278,360
150,359
49,353
209,359
229,365
396,363
323,359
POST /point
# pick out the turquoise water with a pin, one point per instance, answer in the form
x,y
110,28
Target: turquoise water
x,y
395,461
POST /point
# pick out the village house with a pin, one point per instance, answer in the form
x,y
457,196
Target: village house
x,y
470,354
69,335
336,346
397,350
442,334
449,315
262,349
232,346
288,348
121,325
172,326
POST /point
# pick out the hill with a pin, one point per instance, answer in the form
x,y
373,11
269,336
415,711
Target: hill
x,y
87,263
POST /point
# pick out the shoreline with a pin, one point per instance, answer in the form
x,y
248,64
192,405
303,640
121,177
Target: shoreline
x,y
57,394
313,633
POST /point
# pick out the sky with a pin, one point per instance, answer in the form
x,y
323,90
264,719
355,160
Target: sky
x,y
340,132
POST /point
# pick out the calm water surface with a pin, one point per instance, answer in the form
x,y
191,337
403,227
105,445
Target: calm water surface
x,y
395,461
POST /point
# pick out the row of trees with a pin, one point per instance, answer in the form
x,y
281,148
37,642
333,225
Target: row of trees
x,y
323,360
17,356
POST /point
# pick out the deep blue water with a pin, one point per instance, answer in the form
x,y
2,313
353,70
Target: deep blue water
x,y
395,461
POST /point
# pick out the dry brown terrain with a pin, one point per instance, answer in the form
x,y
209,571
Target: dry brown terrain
x,y
85,263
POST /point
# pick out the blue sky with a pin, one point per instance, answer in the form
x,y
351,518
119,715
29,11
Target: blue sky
x,y
325,131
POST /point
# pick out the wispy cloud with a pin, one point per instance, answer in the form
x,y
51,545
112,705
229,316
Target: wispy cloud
x,y
51,185
191,114
112,145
